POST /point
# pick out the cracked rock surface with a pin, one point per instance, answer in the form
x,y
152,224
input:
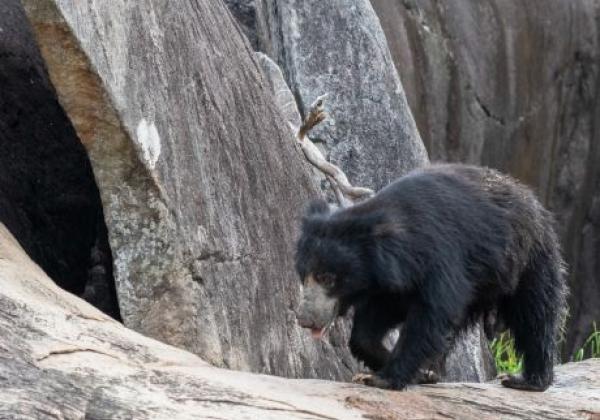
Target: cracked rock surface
x,y
62,358
514,85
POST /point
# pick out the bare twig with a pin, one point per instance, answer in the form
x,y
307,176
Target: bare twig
x,y
345,193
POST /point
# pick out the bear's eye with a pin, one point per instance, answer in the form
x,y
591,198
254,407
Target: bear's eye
x,y
325,279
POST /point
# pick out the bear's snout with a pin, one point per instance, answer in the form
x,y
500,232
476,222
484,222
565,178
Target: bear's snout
x,y
304,321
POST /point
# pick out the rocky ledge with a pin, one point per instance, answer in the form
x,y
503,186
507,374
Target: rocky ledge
x,y
60,358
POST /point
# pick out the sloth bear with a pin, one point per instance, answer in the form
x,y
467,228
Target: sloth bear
x,y
434,251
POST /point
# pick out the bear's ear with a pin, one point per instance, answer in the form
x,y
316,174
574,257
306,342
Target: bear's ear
x,y
317,207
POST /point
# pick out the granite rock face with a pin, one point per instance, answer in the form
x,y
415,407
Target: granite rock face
x,y
48,196
201,183
245,14
339,48
286,104
282,95
61,358
514,85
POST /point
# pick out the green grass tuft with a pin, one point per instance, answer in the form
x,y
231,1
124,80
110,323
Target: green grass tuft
x,y
505,355
591,347
508,361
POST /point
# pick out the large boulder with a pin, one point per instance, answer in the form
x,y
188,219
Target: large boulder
x,y
48,196
514,86
200,180
330,47
61,358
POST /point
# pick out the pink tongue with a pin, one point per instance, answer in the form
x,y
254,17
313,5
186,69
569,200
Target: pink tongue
x,y
317,333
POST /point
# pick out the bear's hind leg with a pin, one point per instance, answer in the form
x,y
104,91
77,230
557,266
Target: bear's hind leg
x,y
533,315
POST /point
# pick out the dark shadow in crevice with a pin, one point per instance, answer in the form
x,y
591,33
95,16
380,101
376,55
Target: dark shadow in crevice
x,y
100,289
49,199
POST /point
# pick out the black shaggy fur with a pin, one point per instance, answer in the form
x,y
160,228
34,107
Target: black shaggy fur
x,y
435,250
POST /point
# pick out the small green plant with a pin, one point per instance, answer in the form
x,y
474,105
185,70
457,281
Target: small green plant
x,y
505,355
591,347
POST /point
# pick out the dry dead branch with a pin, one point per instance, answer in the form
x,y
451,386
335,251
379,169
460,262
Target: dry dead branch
x,y
345,193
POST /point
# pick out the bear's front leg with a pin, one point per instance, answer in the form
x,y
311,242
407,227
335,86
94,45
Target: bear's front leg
x,y
371,323
424,336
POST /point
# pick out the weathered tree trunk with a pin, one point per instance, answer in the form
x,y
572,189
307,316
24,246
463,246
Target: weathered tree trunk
x,y
61,358
514,85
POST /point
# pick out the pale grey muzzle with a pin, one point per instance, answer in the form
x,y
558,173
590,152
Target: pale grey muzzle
x,y
317,310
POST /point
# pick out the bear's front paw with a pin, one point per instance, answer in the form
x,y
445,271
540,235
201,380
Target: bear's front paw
x,y
426,376
377,381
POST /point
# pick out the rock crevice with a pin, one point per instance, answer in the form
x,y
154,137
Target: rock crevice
x,y
48,195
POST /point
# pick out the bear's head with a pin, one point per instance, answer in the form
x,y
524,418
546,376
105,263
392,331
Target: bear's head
x,y
333,262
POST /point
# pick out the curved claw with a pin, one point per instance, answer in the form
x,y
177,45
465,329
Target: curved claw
x,y
427,377
377,381
521,383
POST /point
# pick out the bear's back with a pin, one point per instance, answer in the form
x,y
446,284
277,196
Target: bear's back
x,y
462,205
460,185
